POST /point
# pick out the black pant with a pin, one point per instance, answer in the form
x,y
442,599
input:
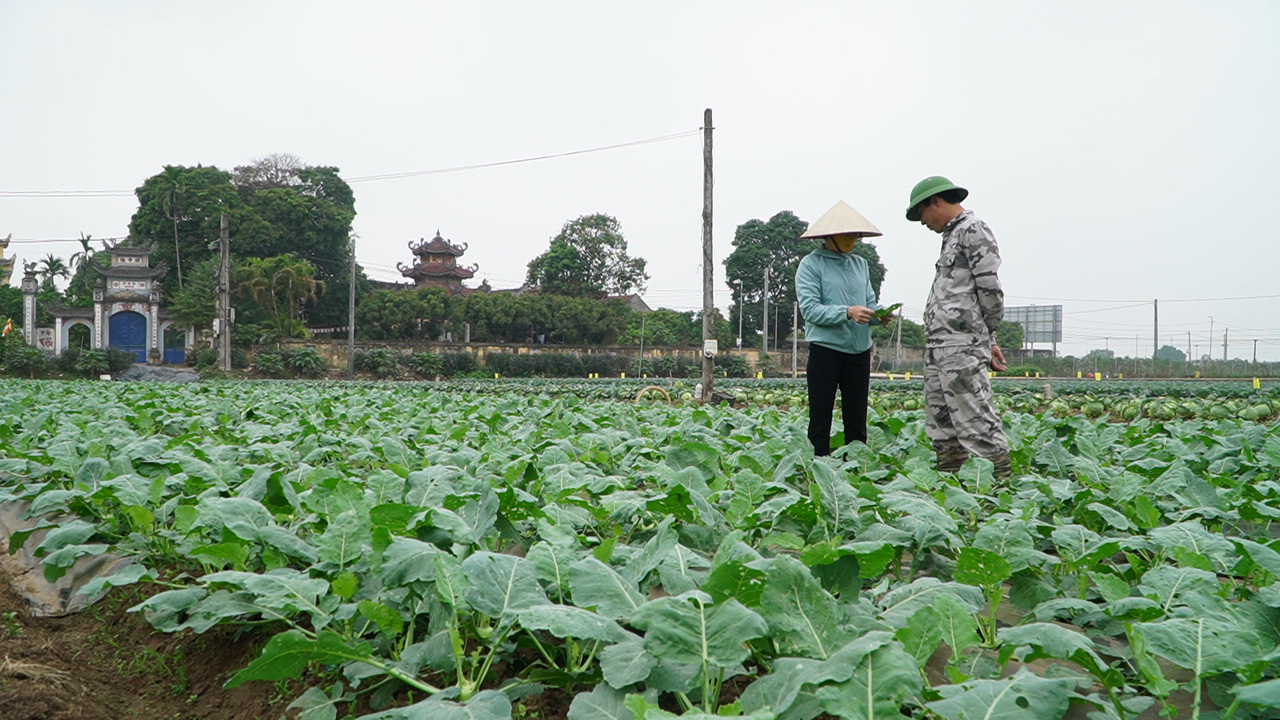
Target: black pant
x,y
827,370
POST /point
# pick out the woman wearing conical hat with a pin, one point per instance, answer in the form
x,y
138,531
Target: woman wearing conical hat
x,y
833,287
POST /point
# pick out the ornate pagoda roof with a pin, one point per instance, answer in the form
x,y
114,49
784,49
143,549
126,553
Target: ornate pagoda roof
x,y
126,271
120,248
84,312
436,270
436,246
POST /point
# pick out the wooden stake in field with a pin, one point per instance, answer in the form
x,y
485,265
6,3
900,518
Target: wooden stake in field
x,y
708,279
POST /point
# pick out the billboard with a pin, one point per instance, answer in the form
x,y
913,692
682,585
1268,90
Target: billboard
x,y
1040,323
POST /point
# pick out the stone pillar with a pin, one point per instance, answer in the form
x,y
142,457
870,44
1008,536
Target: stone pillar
x,y
99,335
154,354
30,286
57,336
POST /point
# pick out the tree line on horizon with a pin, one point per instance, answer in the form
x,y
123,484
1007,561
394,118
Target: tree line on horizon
x,y
291,229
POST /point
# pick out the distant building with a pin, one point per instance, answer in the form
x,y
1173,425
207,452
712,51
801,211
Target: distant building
x,y
437,265
126,311
633,301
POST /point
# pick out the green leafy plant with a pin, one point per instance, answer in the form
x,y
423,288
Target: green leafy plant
x,y
304,362
426,365
443,548
379,361
24,360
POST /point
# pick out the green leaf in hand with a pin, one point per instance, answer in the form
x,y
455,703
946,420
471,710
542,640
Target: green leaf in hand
x,y
883,313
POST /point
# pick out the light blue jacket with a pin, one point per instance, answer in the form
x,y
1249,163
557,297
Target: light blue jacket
x,y
827,283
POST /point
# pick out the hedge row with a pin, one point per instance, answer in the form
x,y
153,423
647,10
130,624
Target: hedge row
x,y
17,359
385,363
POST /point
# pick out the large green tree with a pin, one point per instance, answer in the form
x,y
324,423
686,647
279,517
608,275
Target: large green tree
x,y
11,306
775,245
1010,334
887,335
663,328
674,328
195,304
588,258
179,211
276,206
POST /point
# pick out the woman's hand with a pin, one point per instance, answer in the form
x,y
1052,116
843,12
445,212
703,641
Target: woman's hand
x,y
860,314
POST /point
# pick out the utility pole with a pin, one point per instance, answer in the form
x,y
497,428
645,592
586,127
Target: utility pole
x,y
640,370
708,262
795,337
1155,349
225,312
1224,343
351,314
764,344
739,316
1255,353
897,342
777,329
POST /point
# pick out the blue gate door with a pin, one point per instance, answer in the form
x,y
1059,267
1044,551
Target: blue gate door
x,y
129,332
175,339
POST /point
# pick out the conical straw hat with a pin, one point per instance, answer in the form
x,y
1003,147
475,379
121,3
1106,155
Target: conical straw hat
x,y
839,220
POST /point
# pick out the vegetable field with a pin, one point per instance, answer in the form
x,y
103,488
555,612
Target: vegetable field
x,y
456,550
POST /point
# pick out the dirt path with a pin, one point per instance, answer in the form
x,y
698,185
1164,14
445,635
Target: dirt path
x,y
108,664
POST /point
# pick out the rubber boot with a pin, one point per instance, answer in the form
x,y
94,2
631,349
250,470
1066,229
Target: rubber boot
x,y
951,461
1004,468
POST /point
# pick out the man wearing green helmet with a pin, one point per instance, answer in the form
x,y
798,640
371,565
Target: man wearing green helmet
x,y
965,307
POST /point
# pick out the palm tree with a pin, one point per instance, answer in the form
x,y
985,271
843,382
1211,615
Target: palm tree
x,y
172,209
295,280
281,284
79,259
53,267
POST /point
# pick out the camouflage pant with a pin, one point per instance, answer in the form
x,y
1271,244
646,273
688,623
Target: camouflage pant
x,y
960,415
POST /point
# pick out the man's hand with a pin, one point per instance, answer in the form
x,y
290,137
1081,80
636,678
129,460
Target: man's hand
x,y
860,314
997,359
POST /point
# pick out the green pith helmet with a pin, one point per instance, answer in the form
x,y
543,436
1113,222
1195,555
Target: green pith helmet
x,y
926,189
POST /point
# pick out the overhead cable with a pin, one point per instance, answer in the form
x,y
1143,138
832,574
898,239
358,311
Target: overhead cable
x,y
384,176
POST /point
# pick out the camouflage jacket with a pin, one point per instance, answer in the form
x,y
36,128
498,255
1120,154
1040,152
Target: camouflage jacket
x,y
966,303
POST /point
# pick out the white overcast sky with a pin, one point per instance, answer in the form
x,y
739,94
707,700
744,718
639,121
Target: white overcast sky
x,y
1121,151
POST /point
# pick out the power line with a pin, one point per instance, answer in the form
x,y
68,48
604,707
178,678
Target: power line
x,y
1142,302
1028,297
384,176
65,193
1243,297
1122,307
41,241
462,168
